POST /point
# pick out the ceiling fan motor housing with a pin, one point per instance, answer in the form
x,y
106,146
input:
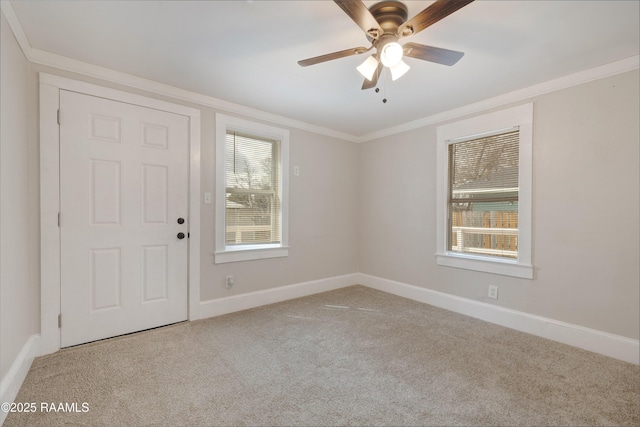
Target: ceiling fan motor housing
x,y
390,15
384,23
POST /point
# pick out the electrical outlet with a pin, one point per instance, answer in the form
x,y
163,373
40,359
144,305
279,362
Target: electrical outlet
x,y
493,292
229,281
296,170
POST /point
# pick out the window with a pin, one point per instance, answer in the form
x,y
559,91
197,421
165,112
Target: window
x,y
251,190
484,193
252,199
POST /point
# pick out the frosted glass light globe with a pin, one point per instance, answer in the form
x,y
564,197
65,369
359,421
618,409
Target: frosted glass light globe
x,y
391,54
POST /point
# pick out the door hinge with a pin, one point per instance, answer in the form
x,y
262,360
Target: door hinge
x,y
58,116
59,320
58,219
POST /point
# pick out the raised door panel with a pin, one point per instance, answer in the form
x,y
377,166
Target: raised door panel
x,y
123,184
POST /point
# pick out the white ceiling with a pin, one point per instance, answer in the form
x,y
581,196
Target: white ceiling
x,y
246,52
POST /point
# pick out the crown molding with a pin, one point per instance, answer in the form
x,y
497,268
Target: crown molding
x,y
91,70
611,69
16,27
65,63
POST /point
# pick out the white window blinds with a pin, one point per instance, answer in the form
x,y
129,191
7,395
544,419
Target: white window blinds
x,y
483,194
253,189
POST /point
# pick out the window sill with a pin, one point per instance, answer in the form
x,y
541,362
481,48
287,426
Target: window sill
x,y
485,264
249,253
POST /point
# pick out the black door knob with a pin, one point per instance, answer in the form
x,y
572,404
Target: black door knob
x,y
180,220
180,236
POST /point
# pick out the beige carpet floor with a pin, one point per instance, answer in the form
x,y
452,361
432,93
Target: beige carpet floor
x,y
353,356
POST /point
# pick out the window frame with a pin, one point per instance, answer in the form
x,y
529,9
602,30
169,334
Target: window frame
x,y
475,127
233,253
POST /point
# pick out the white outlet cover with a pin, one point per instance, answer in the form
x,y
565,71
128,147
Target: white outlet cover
x,y
493,292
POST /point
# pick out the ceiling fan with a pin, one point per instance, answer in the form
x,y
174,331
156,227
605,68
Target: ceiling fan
x,y
384,24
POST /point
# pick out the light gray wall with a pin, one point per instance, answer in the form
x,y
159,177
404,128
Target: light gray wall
x,y
323,208
370,208
585,211
323,214
18,282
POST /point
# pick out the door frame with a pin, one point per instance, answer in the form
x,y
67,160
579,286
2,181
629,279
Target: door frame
x,y
50,286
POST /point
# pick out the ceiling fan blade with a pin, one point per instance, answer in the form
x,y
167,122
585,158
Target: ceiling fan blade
x,y
361,16
432,14
368,84
332,56
432,54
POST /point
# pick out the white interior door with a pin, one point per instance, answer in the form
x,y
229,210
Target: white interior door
x,y
123,204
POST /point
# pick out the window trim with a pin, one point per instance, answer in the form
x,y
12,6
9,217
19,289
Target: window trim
x,y
235,253
463,130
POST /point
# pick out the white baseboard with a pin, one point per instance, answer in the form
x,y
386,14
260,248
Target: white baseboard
x,y
220,306
12,381
611,345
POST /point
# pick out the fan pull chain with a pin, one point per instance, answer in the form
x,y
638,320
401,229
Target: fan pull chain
x,y
384,89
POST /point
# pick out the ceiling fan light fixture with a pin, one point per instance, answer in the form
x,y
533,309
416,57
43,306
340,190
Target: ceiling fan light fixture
x,y
385,23
368,67
391,54
399,70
